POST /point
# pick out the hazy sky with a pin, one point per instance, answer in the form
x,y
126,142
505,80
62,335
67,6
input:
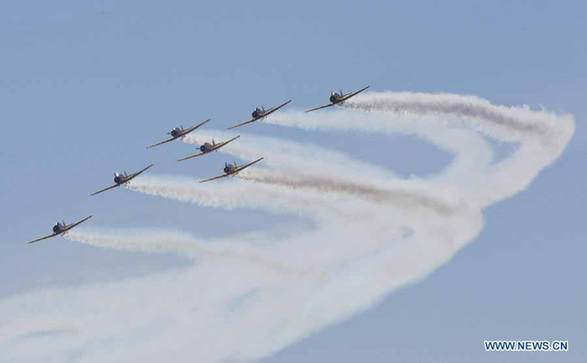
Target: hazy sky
x,y
85,86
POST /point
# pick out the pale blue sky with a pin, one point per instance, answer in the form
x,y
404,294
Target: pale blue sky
x,y
86,85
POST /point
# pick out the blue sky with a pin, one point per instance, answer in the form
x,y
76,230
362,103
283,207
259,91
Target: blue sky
x,y
85,86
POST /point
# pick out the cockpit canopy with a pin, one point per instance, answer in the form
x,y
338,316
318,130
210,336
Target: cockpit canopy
x,y
257,113
175,131
334,96
57,228
228,168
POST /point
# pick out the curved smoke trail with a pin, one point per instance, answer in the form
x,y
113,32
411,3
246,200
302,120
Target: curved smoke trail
x,y
244,298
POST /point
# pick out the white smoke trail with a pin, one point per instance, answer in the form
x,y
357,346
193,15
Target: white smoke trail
x,y
232,195
247,298
183,244
403,194
301,157
541,136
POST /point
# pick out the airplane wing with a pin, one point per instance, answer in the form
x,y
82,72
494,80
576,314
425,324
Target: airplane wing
x,y
55,234
139,172
276,108
241,168
129,179
187,131
321,107
194,127
346,97
77,223
218,146
105,189
214,178
258,118
42,238
191,156
162,142
244,123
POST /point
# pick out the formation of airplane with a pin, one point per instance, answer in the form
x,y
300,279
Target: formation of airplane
x,y
122,178
208,147
178,132
60,228
336,98
259,113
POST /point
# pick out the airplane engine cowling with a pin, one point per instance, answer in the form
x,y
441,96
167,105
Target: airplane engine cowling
x,y
203,148
56,229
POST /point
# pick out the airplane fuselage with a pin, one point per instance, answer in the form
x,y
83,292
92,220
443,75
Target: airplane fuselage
x,y
206,147
258,113
230,169
176,132
335,97
59,228
121,178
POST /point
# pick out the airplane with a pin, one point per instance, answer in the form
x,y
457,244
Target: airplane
x,y
122,178
178,132
60,228
231,169
338,98
208,147
259,113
